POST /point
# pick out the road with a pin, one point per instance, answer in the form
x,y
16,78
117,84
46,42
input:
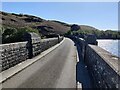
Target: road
x,y
56,70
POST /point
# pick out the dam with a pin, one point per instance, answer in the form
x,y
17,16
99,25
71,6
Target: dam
x,y
58,62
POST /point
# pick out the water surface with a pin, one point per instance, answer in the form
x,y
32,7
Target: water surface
x,y
111,46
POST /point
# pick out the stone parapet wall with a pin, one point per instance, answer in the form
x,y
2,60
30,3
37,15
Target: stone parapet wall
x,y
44,44
12,54
103,67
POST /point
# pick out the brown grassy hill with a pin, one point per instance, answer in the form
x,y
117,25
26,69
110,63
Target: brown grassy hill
x,y
45,27
20,20
85,27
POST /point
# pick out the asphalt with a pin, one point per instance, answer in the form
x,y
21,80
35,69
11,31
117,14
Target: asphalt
x,y
55,70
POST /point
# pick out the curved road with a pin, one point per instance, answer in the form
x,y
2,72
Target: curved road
x,y
56,70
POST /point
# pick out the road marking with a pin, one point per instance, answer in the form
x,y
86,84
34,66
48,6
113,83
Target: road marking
x,y
79,86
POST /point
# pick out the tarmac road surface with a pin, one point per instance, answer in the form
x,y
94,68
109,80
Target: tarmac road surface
x,y
55,70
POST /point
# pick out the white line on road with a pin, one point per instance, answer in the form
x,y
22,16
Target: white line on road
x,y
79,86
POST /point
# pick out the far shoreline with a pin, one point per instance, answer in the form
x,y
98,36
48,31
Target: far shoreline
x,y
107,39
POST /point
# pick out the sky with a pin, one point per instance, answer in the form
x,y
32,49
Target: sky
x,y
102,15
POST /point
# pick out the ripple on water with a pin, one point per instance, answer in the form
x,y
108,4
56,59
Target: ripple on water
x,y
110,45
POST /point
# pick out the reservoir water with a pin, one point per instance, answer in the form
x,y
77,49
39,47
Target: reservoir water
x,y
111,46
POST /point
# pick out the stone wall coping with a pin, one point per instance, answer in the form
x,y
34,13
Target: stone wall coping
x,y
82,39
12,54
109,58
25,42
48,39
13,43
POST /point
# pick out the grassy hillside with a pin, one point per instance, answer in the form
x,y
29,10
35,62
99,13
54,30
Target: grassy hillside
x,y
108,34
85,27
23,20
15,25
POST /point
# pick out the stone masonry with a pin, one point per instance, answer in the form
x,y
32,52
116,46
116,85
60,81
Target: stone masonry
x,y
14,53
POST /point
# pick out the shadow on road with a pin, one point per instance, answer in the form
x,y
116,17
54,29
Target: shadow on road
x,y
82,72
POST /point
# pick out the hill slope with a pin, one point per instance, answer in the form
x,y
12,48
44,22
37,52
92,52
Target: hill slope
x,y
20,20
85,27
15,25
44,26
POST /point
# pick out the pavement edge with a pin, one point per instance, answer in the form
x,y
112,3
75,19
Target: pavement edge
x,y
7,74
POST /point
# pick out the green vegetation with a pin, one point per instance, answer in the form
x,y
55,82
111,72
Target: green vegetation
x,y
14,26
11,35
108,34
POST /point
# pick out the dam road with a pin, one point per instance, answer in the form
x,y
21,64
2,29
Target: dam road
x,y
55,70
